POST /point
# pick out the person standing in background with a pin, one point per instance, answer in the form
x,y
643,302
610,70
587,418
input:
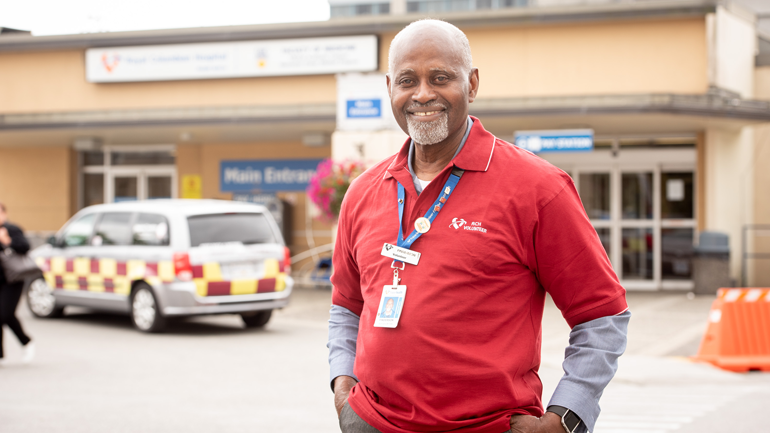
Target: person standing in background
x,y
11,236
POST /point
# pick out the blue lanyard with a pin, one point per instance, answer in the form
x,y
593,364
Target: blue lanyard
x,y
441,200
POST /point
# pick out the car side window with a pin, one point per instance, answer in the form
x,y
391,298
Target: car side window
x,y
79,231
114,228
150,229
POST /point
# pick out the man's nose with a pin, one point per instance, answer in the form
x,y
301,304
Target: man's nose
x,y
424,93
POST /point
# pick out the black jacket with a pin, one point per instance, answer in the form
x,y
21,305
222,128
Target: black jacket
x,y
19,244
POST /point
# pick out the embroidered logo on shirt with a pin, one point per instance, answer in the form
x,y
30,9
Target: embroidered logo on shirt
x,y
457,223
474,226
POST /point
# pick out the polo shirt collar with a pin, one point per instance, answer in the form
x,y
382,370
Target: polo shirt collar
x,y
475,155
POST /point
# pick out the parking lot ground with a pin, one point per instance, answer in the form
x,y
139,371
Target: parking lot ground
x,y
95,373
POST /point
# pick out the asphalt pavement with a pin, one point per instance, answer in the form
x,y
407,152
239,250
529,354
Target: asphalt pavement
x,y
95,373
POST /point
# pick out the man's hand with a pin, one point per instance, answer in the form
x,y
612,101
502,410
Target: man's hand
x,y
548,423
342,387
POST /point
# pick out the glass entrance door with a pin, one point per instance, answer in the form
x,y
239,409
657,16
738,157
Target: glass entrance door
x,y
642,206
125,188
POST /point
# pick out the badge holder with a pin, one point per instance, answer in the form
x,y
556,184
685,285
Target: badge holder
x,y
391,301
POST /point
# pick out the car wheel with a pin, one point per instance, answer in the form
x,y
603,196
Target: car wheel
x,y
256,319
145,312
41,301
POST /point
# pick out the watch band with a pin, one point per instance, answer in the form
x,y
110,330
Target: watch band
x,y
569,420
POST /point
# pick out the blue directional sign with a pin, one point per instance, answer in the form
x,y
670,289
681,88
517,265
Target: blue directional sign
x,y
266,175
560,140
358,108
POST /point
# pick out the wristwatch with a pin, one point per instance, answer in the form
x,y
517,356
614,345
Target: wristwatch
x,y
569,420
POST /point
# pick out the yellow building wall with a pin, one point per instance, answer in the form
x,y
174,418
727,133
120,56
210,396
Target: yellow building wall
x,y
761,267
55,81
587,59
547,60
35,185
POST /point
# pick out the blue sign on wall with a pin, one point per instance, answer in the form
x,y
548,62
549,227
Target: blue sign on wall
x,y
565,140
358,108
266,175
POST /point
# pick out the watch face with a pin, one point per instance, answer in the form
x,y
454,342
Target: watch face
x,y
570,421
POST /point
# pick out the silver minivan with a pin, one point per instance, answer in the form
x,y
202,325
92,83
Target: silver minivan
x,y
165,258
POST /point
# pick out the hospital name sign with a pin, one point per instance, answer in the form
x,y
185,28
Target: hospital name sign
x,y
232,59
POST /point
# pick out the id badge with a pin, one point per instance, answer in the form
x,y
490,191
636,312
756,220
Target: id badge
x,y
403,254
391,304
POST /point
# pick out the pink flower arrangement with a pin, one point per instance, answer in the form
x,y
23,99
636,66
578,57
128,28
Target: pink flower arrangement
x,y
329,185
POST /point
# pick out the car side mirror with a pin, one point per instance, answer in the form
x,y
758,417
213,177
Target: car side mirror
x,y
52,241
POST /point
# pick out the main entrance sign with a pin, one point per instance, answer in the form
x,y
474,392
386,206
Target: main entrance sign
x,y
232,59
266,175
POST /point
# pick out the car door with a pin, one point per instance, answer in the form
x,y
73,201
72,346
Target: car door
x,y
68,264
110,279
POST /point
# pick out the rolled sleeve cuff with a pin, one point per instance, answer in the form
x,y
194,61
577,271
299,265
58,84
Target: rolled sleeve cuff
x,y
573,397
341,366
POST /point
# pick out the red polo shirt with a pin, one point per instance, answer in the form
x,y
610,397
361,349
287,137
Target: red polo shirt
x,y
466,351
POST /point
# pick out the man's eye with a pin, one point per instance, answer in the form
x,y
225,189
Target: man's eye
x,y
406,82
442,79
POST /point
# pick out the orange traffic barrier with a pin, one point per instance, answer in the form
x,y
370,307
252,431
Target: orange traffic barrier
x,y
738,334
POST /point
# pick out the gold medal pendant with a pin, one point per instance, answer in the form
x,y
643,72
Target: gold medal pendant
x,y
422,225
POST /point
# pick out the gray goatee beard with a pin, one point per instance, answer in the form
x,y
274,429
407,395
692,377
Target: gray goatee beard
x,y
428,133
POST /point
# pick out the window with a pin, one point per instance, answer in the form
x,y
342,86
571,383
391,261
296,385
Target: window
x,y
114,228
150,229
142,158
677,195
595,194
93,189
246,228
79,231
637,195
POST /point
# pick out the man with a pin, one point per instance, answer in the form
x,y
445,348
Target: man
x,y
495,228
388,311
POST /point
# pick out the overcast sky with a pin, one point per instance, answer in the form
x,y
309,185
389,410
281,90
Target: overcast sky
x,y
56,17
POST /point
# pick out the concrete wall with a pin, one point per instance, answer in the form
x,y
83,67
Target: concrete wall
x,y
729,186
36,186
760,269
731,45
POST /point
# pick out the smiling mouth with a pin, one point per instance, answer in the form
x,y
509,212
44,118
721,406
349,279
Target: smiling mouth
x,y
425,113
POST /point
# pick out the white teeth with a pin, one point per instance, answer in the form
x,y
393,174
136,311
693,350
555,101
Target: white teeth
x,y
424,113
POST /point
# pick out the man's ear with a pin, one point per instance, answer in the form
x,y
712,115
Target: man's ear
x,y
473,79
387,83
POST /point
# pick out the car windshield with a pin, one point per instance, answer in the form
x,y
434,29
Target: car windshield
x,y
246,228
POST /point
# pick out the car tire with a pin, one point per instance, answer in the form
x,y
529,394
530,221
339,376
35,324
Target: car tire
x,y
145,311
256,319
41,300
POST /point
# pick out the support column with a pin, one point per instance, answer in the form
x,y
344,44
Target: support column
x,y
729,187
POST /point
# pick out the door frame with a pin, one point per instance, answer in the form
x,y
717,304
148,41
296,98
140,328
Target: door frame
x,y
140,171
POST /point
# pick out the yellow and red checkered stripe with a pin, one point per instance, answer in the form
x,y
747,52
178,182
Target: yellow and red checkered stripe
x,y
209,282
111,276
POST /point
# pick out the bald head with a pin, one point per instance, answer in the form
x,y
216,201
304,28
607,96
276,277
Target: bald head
x,y
429,28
